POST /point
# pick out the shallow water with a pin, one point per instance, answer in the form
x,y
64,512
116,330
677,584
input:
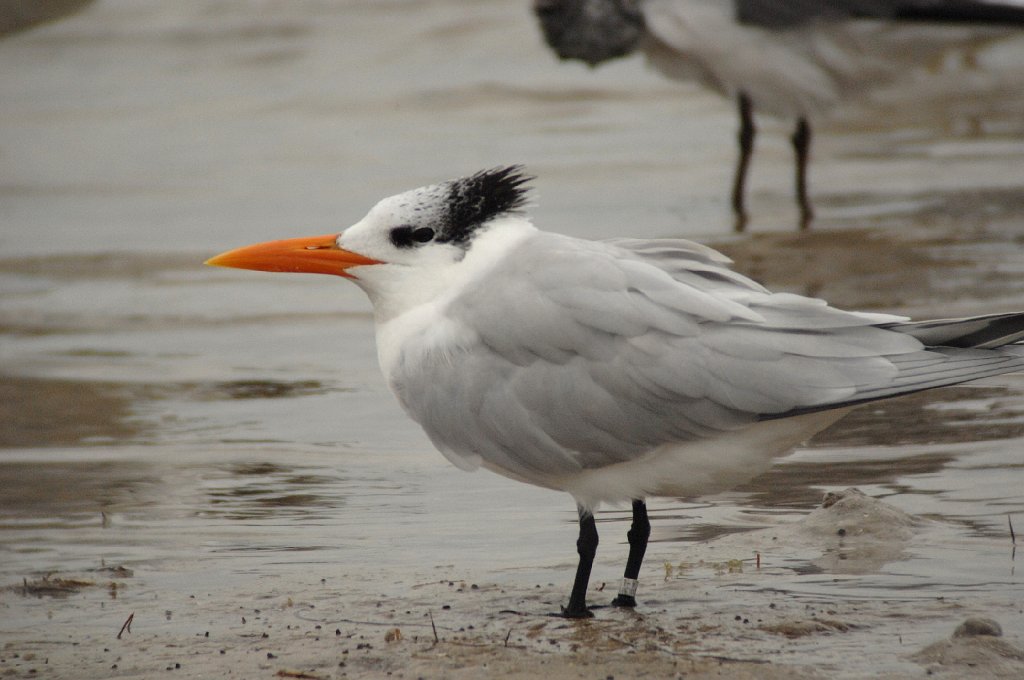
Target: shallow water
x,y
215,430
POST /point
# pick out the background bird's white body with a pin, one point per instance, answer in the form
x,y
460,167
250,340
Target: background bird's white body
x,y
805,69
790,73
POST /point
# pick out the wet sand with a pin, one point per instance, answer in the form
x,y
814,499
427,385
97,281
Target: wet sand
x,y
719,614
44,413
20,15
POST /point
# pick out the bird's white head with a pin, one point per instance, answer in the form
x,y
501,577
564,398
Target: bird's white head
x,y
405,241
437,224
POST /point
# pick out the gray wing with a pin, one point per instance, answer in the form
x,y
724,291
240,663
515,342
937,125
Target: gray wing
x,y
586,354
578,354
787,13
987,332
950,351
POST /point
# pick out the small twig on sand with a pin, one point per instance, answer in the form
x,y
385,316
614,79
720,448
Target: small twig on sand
x,y
1013,536
508,636
732,659
127,626
433,627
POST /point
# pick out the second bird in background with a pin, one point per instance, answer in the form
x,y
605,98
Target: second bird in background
x,y
794,60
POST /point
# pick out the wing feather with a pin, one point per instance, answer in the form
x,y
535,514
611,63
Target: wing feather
x,y
581,354
775,14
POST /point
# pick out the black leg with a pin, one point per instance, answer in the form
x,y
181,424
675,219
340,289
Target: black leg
x,y
638,534
802,148
586,546
746,140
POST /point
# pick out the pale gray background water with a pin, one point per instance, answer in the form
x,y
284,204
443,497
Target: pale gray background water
x,y
240,430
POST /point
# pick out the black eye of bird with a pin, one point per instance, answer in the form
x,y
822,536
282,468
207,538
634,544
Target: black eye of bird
x,y
407,236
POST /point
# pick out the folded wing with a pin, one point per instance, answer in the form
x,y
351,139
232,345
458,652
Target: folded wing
x,y
584,354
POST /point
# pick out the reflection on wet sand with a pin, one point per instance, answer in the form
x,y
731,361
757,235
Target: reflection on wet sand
x,y
102,266
798,484
260,389
75,493
47,413
248,491
952,415
934,261
38,412
18,15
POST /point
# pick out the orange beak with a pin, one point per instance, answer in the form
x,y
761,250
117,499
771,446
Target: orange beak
x,y
310,255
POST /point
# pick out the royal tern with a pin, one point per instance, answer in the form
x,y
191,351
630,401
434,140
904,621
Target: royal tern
x,y
613,370
793,59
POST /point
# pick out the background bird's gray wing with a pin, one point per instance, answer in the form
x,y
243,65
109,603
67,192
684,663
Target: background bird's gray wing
x,y
587,354
788,13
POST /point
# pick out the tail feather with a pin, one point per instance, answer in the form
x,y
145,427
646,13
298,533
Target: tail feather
x,y
965,11
958,365
956,351
983,332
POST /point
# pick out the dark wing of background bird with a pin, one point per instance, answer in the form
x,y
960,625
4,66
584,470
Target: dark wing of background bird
x,y
788,13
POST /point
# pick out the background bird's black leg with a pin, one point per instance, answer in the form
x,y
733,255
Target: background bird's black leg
x,y
802,148
746,139
586,546
638,534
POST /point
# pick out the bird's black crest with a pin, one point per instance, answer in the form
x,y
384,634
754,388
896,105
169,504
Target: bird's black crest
x,y
481,197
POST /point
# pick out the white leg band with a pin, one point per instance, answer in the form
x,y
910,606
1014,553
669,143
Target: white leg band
x,y
628,587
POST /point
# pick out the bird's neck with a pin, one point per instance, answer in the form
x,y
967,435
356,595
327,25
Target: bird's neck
x,y
410,302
